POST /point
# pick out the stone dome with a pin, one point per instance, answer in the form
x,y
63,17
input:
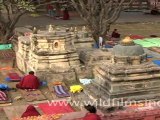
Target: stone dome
x,y
128,48
135,50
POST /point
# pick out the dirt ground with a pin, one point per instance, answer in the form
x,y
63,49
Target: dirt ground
x,y
144,29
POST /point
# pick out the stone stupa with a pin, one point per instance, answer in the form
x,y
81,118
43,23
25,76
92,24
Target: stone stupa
x,y
129,75
49,53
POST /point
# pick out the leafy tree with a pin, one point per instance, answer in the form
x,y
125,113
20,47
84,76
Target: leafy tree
x,y
10,13
99,14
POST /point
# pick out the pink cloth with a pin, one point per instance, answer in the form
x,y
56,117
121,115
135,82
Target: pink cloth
x,y
136,37
57,107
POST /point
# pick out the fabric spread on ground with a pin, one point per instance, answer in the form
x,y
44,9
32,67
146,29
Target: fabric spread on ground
x,y
5,46
60,91
14,77
148,42
56,107
136,37
7,54
155,49
3,96
31,96
157,62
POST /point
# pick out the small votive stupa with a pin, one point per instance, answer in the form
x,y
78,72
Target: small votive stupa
x,y
49,53
129,76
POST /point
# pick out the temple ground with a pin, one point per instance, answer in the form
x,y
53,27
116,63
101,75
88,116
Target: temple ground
x,y
128,23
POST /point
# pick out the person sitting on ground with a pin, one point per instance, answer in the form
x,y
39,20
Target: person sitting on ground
x,y
115,35
29,82
91,115
30,111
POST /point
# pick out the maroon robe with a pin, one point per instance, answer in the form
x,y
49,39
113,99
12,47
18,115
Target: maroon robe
x,y
29,82
115,34
91,116
66,15
30,111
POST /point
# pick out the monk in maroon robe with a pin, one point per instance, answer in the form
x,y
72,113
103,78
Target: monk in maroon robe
x,y
115,34
29,82
91,115
66,14
30,111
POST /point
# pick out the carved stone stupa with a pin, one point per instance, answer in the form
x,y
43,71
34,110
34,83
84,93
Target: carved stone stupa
x,y
128,76
48,53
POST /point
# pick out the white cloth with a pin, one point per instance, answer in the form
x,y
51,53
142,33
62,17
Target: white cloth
x,y
100,41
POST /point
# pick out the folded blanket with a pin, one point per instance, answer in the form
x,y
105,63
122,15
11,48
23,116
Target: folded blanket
x,y
60,91
3,96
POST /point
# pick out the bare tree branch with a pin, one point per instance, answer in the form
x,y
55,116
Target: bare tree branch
x,y
99,14
5,4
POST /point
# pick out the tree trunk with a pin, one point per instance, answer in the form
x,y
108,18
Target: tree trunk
x,y
99,14
7,37
97,33
7,33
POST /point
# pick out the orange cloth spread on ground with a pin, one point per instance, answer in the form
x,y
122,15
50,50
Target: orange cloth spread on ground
x,y
42,117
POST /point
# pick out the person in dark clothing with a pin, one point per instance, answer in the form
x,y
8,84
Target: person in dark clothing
x,y
30,111
115,34
29,82
66,14
91,115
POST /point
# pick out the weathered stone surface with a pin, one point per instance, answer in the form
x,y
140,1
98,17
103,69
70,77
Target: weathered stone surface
x,y
83,39
52,76
19,31
135,50
51,52
85,72
94,56
127,76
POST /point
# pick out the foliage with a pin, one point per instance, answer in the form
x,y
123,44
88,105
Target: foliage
x,y
20,4
10,13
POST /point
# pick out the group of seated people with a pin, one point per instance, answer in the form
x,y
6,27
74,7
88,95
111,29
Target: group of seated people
x,y
55,13
114,37
32,82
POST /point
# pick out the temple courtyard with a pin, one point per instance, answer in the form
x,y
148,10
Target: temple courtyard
x,y
60,55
